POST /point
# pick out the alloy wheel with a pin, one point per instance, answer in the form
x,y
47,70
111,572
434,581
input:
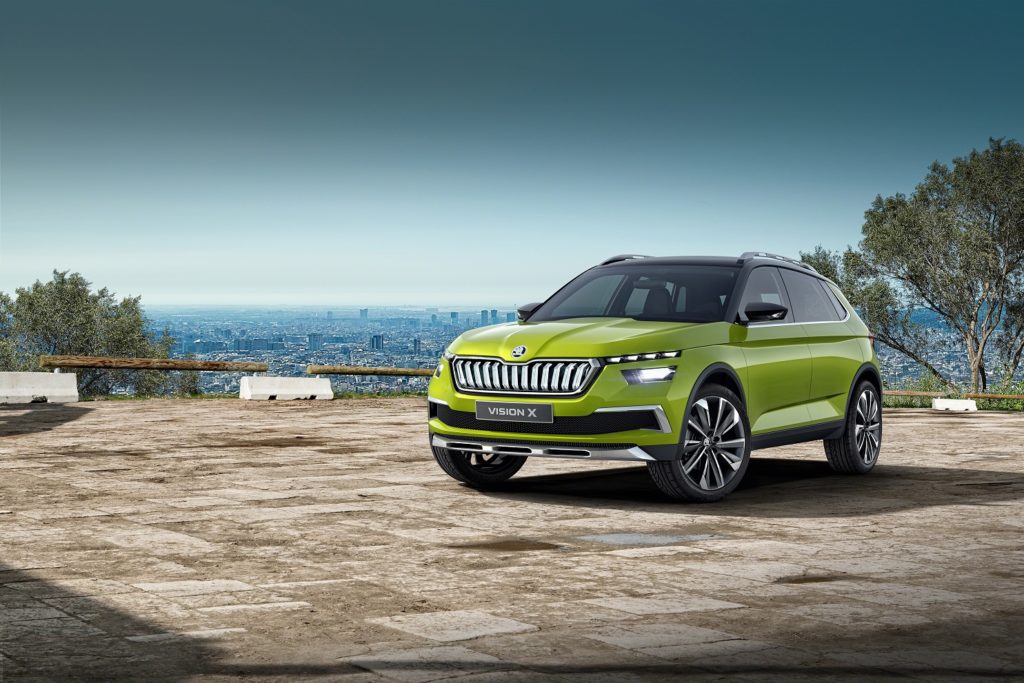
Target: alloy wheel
x,y
867,426
715,443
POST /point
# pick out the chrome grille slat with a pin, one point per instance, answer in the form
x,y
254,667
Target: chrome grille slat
x,y
543,376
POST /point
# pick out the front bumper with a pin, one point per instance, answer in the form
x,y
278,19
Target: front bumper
x,y
612,420
572,451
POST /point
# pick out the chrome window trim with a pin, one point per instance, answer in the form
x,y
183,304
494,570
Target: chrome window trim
x,y
659,414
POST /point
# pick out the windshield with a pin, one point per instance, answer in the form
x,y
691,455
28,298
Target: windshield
x,y
671,293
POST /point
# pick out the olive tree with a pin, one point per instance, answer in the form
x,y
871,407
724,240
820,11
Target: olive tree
x,y
64,316
954,246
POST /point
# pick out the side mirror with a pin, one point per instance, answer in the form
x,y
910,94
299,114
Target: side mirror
x,y
524,312
760,312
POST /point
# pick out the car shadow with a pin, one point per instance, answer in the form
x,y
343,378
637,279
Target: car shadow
x,y
30,418
779,487
54,631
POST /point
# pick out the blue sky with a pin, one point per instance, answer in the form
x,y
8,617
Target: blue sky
x,y
468,152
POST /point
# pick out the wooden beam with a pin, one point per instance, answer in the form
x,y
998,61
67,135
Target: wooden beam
x,y
1009,397
109,363
354,370
939,394
929,394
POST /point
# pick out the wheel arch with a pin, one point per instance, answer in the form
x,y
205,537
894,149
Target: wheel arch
x,y
866,372
721,374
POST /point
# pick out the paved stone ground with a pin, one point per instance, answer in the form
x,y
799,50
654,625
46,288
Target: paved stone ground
x,y
215,540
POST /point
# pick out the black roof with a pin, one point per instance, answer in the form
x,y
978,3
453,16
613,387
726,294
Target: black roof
x,y
749,259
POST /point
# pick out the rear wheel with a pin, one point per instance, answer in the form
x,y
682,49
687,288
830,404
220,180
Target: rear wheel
x,y
715,450
479,470
856,451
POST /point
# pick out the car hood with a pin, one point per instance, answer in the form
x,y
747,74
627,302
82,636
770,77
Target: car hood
x,y
585,338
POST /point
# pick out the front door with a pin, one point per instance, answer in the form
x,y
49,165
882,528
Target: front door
x,y
778,358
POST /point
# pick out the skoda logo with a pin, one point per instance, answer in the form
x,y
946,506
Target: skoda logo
x,y
519,352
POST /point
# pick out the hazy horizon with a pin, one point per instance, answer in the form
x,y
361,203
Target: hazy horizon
x,y
398,152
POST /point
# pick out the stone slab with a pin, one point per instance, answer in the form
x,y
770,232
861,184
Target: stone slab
x,y
38,387
285,389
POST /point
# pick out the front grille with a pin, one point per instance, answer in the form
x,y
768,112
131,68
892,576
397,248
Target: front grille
x,y
595,423
538,377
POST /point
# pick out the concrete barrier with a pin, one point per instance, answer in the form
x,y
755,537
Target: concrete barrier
x,y
285,389
38,387
966,405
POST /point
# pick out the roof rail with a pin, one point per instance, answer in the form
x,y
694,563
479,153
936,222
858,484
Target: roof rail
x,y
622,257
764,254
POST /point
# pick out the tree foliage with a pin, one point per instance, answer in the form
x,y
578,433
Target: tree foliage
x,y
64,316
954,246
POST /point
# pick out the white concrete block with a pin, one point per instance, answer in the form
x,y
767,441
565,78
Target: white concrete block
x,y
285,389
38,387
967,405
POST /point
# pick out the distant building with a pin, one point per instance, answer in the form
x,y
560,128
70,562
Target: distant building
x,y
433,319
417,345
377,342
330,315
510,317
364,313
494,316
483,317
260,345
455,317
316,341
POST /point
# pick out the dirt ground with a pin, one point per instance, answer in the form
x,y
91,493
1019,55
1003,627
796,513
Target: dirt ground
x,y
219,540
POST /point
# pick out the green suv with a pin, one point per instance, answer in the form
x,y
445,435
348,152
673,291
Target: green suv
x,y
686,364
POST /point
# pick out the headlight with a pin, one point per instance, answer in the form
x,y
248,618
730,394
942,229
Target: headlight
x,y
448,355
632,358
439,369
648,375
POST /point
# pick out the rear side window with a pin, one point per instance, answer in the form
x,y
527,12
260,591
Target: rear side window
x,y
765,286
836,303
810,303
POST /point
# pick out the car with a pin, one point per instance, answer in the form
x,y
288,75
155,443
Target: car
x,y
686,364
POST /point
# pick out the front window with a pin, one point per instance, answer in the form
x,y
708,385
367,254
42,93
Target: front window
x,y
670,293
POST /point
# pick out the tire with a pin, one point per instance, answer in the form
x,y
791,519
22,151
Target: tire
x,y
479,470
856,451
705,472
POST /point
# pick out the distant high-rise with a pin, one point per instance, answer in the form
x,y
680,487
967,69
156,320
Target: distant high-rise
x,y
510,317
433,318
483,317
417,345
455,317
364,313
330,315
377,342
494,316
316,341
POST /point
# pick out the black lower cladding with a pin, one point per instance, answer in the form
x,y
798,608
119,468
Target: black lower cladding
x,y
595,423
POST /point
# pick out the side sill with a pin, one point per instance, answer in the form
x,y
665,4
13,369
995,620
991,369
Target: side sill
x,y
785,437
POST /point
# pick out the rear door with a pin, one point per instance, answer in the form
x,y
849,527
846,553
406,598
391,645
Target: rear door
x,y
835,353
778,358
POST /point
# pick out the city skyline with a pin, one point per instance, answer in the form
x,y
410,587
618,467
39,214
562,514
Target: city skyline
x,y
460,153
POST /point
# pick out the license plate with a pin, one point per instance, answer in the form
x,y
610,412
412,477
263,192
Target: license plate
x,y
514,412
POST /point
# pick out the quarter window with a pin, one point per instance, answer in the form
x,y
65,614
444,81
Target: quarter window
x,y
810,303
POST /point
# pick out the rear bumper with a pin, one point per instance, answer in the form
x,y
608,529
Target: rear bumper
x,y
569,450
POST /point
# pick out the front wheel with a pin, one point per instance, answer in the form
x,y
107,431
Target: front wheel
x,y
715,451
479,470
856,451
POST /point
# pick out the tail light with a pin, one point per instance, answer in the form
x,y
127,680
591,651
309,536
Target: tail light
x,y
871,337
